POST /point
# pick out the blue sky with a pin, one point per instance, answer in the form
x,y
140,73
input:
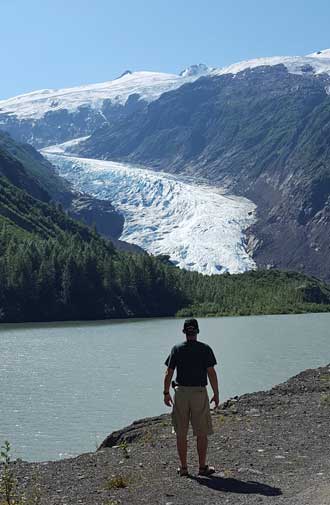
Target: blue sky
x,y
61,43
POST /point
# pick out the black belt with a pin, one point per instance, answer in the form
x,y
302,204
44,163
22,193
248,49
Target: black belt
x,y
174,384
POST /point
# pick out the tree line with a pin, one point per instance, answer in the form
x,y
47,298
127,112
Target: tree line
x,y
69,277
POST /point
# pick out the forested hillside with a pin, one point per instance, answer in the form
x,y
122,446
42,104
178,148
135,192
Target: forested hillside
x,y
54,268
27,167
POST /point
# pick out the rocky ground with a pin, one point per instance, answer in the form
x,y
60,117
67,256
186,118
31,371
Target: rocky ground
x,y
268,447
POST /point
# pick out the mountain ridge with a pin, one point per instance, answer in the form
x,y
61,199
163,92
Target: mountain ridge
x,y
150,85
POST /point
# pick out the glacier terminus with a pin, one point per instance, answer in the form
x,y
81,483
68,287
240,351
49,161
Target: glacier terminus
x,y
198,226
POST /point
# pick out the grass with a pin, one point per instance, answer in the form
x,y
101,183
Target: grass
x,y
325,377
8,483
117,482
325,399
148,437
124,447
219,420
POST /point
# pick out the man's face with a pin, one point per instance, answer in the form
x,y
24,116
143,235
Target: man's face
x,y
190,331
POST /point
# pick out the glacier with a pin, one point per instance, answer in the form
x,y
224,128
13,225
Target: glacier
x,y
200,227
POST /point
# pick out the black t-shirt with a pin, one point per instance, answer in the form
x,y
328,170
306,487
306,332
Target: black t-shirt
x,y
191,359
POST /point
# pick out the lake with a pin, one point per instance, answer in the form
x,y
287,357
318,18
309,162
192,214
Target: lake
x,y
65,386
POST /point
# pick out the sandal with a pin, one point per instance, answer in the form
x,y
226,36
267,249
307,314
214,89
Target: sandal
x,y
206,470
183,471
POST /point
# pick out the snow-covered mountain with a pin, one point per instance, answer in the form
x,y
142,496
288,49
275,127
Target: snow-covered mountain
x,y
50,116
53,116
148,85
197,226
314,63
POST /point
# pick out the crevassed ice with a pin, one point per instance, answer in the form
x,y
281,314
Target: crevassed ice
x,y
197,226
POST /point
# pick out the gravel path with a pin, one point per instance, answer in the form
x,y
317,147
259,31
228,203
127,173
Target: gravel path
x,y
268,447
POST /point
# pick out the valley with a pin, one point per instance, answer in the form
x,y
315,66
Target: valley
x,y
257,129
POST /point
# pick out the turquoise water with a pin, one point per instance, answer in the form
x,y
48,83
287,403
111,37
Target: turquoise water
x,y
65,386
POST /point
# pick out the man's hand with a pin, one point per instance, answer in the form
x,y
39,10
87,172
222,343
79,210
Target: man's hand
x,y
167,384
215,399
168,400
212,375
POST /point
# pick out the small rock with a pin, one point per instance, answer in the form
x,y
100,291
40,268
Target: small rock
x,y
253,413
141,464
249,470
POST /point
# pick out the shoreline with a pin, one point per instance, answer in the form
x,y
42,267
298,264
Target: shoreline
x,y
96,322
267,446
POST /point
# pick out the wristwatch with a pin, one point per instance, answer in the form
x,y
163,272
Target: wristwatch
x,y
166,392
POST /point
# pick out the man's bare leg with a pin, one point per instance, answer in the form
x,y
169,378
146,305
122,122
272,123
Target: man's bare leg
x,y
202,449
181,443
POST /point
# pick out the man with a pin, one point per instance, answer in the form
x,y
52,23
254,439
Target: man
x,y
194,361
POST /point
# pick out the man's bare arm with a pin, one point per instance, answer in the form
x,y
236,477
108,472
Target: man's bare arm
x,y
167,384
212,375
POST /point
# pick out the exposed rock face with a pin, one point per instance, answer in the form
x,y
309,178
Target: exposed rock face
x,y
14,171
61,125
133,432
100,213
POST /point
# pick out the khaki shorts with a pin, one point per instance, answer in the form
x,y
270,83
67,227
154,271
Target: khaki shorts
x,y
191,403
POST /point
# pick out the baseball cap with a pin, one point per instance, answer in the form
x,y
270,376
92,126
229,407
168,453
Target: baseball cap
x,y
191,322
